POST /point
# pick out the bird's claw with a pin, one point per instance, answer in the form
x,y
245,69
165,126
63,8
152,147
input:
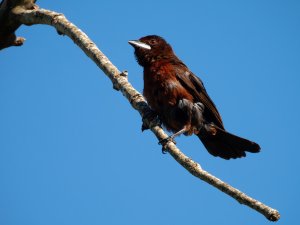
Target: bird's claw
x,y
150,115
144,127
164,143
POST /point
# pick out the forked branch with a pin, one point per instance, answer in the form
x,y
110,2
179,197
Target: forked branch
x,y
120,82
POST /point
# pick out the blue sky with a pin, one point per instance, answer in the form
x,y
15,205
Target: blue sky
x,y
71,149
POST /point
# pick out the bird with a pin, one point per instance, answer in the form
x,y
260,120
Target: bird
x,y
179,99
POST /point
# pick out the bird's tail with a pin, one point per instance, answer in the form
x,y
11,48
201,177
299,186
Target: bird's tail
x,y
219,142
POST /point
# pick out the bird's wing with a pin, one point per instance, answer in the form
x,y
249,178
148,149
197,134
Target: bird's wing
x,y
194,85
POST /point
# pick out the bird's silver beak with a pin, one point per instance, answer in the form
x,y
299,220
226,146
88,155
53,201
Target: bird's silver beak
x,y
139,44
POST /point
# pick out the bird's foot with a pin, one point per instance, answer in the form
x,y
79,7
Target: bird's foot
x,y
151,116
164,143
144,127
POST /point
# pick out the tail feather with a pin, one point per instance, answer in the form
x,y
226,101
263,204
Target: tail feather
x,y
226,145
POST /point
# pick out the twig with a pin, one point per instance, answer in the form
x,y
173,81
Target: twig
x,y
120,82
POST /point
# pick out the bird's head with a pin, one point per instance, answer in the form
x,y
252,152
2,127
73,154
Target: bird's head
x,y
150,48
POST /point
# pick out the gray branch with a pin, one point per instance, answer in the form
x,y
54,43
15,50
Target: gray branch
x,y
25,12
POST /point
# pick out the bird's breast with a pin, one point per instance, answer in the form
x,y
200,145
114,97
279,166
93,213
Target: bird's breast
x,y
162,89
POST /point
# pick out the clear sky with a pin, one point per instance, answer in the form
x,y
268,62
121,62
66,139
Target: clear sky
x,y
71,149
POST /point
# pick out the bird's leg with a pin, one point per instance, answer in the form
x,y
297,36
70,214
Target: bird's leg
x,y
164,142
183,130
198,120
184,106
150,115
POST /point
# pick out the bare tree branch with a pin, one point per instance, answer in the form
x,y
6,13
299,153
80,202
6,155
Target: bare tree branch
x,y
8,24
14,18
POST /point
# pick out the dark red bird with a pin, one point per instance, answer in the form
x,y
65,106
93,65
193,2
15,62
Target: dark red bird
x,y
181,101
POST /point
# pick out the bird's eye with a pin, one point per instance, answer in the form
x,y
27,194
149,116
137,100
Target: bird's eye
x,y
152,41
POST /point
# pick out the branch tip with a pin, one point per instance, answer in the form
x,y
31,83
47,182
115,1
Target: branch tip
x,y
275,216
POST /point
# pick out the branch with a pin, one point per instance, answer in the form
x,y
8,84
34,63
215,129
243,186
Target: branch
x,y
120,82
8,24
